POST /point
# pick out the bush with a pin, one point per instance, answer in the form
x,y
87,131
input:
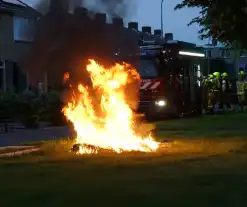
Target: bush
x,y
29,110
8,105
53,109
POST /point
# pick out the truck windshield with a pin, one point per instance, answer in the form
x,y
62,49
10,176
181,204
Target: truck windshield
x,y
148,68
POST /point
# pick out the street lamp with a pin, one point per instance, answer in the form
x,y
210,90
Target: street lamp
x,y
161,19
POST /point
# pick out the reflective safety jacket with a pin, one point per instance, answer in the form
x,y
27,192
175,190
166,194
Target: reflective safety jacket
x,y
207,84
225,85
216,85
241,87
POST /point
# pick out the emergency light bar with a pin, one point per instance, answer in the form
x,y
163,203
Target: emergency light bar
x,y
194,54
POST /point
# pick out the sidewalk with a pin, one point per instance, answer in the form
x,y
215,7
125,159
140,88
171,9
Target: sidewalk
x,y
23,136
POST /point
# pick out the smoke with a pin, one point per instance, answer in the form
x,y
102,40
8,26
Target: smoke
x,y
114,8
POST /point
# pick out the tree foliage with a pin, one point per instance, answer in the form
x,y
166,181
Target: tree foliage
x,y
223,20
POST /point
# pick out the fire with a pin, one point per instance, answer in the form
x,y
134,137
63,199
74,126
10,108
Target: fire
x,y
66,76
112,128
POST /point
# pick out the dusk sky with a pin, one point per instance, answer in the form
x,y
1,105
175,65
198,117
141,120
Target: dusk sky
x,y
147,12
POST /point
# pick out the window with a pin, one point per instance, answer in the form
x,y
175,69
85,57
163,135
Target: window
x,y
227,54
242,67
243,53
224,53
208,53
2,64
23,29
148,69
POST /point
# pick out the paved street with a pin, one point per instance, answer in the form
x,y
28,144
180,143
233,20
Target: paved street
x,y
23,136
44,133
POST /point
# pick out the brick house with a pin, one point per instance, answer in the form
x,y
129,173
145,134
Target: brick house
x,y
16,18
234,59
59,47
50,49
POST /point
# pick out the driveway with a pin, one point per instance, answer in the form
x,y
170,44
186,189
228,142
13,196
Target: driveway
x,y
23,136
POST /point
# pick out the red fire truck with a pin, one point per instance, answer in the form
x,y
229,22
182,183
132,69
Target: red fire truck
x,y
170,83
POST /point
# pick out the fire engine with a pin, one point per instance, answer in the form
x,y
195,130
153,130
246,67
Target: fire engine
x,y
170,79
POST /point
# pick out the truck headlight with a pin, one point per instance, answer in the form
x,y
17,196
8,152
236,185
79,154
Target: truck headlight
x,y
160,103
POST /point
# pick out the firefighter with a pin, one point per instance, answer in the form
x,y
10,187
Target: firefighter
x,y
209,81
241,90
216,80
205,93
210,78
215,90
226,87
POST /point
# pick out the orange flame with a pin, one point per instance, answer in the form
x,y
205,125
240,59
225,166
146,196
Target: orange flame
x,y
114,129
66,76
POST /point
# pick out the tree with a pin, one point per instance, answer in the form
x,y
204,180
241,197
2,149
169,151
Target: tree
x,y
223,20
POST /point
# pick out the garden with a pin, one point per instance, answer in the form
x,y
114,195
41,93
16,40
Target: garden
x,y
29,109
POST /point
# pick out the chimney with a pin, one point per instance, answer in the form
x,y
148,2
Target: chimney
x,y
133,25
168,36
58,6
77,3
73,5
100,17
118,22
81,12
157,32
147,29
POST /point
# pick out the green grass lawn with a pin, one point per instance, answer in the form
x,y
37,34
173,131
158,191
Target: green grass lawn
x,y
205,165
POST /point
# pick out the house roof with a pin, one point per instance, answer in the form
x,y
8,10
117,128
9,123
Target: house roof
x,y
15,2
18,6
11,5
